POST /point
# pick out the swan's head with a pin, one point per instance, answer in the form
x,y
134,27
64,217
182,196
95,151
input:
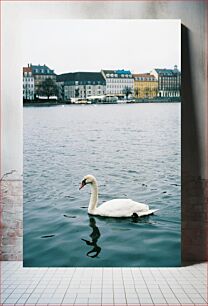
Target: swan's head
x,y
88,179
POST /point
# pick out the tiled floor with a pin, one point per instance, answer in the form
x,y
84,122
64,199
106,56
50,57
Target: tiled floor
x,y
107,286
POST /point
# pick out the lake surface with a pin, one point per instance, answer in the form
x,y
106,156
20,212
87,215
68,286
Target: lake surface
x,y
134,152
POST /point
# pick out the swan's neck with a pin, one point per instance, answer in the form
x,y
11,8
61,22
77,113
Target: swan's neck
x,y
93,197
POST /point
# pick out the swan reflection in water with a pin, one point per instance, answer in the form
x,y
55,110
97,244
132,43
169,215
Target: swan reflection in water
x,y
95,235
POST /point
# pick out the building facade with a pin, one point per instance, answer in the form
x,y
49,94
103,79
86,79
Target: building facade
x,y
145,85
33,76
117,82
28,84
41,73
169,82
81,85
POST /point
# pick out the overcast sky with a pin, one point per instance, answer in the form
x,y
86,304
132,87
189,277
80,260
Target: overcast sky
x,y
92,45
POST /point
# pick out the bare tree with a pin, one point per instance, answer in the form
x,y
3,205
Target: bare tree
x,y
76,92
48,88
127,91
136,92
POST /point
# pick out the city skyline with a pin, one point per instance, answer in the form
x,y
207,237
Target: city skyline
x,y
83,45
42,81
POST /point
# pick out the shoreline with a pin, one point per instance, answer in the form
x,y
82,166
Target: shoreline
x,y
48,104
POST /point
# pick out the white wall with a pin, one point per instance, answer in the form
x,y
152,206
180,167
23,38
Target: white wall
x,y
192,15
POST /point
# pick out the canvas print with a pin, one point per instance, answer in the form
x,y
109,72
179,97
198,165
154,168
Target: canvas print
x,y
102,151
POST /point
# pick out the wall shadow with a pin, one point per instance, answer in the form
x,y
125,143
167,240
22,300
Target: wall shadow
x,y
193,206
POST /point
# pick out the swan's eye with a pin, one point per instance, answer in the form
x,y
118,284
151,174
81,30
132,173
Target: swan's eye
x,y
83,183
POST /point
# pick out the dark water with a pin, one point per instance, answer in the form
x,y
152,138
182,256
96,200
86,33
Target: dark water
x,y
134,152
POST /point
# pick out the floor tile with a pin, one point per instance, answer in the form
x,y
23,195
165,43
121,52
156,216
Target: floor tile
x,y
125,286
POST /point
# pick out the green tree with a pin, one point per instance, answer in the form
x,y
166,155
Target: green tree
x,y
48,88
127,91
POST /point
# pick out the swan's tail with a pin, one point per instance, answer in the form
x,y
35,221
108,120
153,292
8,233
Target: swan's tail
x,y
146,213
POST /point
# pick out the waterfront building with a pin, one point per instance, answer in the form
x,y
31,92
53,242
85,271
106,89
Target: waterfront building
x,y
145,85
81,85
117,81
41,73
28,84
169,82
33,76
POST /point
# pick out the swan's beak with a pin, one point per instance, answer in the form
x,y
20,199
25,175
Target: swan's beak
x,y
82,185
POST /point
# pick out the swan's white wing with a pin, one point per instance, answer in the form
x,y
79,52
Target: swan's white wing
x,y
121,208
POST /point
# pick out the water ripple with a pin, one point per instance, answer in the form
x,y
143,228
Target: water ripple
x,y
134,151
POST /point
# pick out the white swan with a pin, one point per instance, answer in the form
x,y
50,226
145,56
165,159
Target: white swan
x,y
114,208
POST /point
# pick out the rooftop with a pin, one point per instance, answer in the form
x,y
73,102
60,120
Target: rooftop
x,y
168,72
147,76
81,77
27,69
41,69
117,73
